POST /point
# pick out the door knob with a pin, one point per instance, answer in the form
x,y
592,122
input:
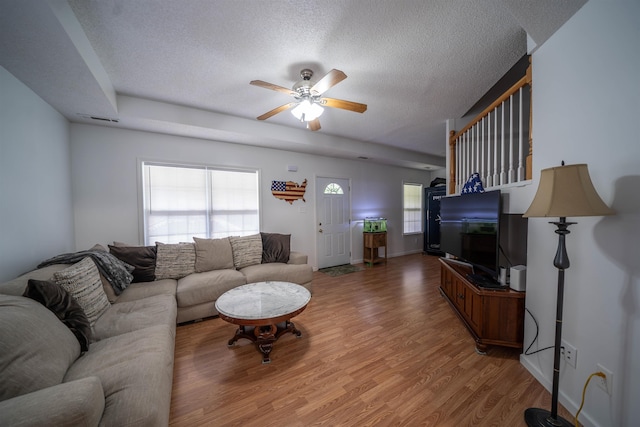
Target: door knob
x,y
320,231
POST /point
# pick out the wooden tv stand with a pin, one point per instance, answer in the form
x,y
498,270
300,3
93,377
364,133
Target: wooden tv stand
x,y
493,317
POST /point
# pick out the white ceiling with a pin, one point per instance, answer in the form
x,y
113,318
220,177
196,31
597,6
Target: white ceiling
x,y
184,67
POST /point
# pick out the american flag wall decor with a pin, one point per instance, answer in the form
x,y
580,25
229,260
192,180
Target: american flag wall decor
x,y
289,191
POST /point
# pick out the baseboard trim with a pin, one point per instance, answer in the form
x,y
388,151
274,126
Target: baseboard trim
x,y
569,404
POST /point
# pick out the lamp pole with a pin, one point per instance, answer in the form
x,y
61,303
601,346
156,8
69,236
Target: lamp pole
x,y
535,417
561,262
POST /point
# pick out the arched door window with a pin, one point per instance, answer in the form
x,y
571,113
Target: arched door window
x,y
333,188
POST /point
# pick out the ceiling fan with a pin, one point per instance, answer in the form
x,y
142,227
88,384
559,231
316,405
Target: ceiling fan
x,y
309,101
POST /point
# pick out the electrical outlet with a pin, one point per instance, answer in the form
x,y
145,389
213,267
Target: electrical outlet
x,y
605,383
569,353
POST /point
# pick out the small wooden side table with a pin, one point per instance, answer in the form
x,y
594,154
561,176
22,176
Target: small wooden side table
x,y
372,244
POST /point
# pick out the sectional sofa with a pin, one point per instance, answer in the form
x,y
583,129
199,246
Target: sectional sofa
x,y
80,346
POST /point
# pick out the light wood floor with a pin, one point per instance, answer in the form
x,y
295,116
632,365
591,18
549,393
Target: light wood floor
x,y
379,347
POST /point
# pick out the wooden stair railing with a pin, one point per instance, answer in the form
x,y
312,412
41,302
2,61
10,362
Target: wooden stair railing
x,y
488,147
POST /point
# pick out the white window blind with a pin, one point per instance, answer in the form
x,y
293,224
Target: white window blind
x,y
180,202
412,208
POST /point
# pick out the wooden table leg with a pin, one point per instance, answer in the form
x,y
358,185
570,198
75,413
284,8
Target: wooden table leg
x,y
289,327
265,336
241,332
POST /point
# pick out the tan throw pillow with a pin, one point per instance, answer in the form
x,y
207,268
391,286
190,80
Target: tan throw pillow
x,y
247,250
175,260
82,282
213,254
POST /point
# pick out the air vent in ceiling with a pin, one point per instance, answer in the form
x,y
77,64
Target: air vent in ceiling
x,y
102,119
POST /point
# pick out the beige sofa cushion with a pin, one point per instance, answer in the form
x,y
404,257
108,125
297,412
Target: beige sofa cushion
x,y
247,250
18,285
36,349
136,291
76,403
208,286
129,316
213,254
136,372
174,261
275,271
297,258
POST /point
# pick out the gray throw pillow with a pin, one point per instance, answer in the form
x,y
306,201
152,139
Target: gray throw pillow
x,y
275,247
60,303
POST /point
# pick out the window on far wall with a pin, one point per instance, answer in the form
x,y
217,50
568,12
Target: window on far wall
x,y
412,208
333,188
181,201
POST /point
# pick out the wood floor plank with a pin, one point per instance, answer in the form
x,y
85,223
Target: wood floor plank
x,y
379,347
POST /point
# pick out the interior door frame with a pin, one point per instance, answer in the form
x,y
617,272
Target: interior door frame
x,y
315,215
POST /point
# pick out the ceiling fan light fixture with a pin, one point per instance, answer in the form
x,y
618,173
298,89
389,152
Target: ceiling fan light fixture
x,y
307,111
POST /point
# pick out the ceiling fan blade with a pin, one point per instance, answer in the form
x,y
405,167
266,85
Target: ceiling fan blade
x,y
330,79
345,105
277,110
271,86
314,125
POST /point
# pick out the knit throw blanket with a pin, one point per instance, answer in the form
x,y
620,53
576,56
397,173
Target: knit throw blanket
x,y
118,273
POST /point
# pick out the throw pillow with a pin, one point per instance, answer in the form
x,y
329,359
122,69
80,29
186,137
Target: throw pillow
x,y
247,250
174,261
142,258
108,289
82,282
98,247
213,254
60,303
275,247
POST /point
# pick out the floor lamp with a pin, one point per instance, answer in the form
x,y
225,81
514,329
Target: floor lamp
x,y
564,191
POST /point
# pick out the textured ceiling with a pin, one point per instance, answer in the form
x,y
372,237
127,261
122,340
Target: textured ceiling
x,y
184,67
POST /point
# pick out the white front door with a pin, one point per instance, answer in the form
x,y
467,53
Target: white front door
x,y
333,226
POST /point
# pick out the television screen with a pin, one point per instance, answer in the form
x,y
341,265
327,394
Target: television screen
x,y
470,228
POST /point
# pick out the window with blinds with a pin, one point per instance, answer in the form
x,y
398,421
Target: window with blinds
x,y
412,208
180,202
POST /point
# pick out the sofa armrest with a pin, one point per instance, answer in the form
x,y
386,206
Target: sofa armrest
x,y
297,258
76,403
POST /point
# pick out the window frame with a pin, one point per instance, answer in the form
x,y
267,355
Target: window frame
x,y
142,226
339,190
420,186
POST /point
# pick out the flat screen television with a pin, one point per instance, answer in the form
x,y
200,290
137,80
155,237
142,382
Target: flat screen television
x,y
470,230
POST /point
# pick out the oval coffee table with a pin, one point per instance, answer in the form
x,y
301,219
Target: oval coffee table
x,y
263,311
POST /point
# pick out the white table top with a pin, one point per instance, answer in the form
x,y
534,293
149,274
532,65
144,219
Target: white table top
x,y
263,300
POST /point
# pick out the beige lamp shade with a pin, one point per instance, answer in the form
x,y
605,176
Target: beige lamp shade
x,y
566,191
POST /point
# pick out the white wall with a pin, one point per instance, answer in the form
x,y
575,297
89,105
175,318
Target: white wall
x,y
586,102
36,217
105,186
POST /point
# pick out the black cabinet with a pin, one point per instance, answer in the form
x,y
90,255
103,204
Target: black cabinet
x,y
432,196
